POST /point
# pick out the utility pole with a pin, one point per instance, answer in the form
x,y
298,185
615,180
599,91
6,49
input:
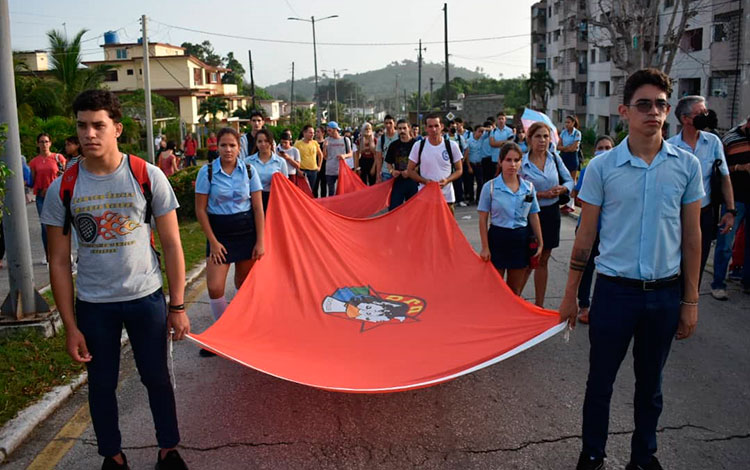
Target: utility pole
x,y
406,105
252,80
432,81
447,80
396,93
147,92
419,82
291,99
23,300
335,96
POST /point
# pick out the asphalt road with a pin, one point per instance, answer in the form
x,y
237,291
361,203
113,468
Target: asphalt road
x,y
522,413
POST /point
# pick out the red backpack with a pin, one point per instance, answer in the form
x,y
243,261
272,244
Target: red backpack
x,y
139,171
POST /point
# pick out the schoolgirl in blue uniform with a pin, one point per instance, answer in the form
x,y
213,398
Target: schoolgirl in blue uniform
x,y
229,208
265,163
510,204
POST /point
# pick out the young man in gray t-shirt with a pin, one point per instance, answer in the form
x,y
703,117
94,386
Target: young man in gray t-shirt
x,y
119,276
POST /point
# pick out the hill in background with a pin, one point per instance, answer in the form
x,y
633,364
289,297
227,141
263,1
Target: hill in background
x,y
378,84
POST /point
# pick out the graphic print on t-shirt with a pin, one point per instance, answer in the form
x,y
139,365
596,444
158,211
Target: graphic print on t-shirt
x,y
104,232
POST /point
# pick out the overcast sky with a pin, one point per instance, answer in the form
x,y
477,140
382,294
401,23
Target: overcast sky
x,y
370,28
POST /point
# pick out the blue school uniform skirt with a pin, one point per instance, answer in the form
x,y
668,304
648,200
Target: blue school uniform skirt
x,y
509,247
236,232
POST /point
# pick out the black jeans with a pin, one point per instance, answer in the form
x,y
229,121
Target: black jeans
x,y
488,169
403,189
365,165
708,234
145,320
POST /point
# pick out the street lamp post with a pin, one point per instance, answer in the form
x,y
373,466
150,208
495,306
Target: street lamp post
x,y
335,90
315,58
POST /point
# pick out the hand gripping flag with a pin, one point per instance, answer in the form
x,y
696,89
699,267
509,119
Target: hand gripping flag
x,y
377,305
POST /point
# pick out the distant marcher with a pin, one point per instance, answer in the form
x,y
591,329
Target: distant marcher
x,y
72,151
212,144
310,155
509,204
437,158
265,163
397,160
290,154
247,140
168,160
569,146
496,138
45,167
388,136
337,148
229,208
473,164
320,189
190,150
364,157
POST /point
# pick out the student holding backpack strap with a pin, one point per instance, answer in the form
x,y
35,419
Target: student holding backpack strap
x,y
229,207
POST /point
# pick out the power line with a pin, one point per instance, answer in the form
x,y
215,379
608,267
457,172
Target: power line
x,y
353,44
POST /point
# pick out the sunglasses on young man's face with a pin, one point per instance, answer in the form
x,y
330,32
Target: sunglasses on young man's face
x,y
644,106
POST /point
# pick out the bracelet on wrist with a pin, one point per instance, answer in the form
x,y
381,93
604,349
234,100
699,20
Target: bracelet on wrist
x,y
177,307
685,302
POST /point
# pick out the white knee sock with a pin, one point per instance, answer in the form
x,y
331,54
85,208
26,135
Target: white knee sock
x,y
218,306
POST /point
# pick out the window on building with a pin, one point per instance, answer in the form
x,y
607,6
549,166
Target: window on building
x,y
592,88
689,86
556,36
140,71
603,89
130,72
604,54
110,76
214,77
549,12
719,85
549,38
198,76
692,40
668,4
593,56
720,32
121,53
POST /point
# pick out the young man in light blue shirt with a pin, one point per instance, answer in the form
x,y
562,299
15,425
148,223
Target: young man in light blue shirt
x,y
473,163
648,194
691,111
496,138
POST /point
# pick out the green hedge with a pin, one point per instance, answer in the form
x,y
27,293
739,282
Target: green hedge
x,y
183,183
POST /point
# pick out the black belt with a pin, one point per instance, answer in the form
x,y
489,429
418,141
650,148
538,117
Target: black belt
x,y
656,284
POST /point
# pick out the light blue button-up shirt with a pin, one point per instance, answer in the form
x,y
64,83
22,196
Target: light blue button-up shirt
x,y
227,194
708,148
570,137
641,225
475,149
549,178
506,133
508,209
275,164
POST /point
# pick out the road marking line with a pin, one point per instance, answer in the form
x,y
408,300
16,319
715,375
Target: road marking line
x,y
63,441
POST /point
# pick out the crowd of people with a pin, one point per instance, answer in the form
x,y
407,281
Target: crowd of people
x,y
650,208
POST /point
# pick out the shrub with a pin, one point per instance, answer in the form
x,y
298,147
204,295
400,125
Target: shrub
x,y
183,183
202,154
588,135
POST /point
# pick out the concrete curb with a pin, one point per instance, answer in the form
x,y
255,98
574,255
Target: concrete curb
x,y
15,431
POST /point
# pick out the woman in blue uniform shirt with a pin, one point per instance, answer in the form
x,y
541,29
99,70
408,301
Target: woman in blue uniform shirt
x,y
546,171
229,208
511,206
265,163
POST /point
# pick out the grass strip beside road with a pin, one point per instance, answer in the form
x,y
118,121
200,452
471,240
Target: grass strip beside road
x,y
31,365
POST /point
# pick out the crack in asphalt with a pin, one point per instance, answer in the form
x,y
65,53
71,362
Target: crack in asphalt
x,y
728,438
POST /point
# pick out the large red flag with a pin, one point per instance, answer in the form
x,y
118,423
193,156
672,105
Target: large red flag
x,y
354,198
348,181
389,303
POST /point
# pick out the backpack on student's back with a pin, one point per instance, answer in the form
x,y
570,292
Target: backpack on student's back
x,y
138,169
447,148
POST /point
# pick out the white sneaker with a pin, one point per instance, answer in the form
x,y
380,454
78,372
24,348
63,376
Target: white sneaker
x,y
462,204
719,294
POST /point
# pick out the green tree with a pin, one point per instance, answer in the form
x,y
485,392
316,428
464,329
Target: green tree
x,y
541,86
65,67
236,70
213,105
134,105
203,51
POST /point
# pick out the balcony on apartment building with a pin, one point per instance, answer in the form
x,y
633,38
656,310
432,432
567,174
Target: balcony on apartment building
x,y
725,47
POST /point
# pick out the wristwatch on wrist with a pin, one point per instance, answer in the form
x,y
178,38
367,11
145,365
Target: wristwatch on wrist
x,y
732,211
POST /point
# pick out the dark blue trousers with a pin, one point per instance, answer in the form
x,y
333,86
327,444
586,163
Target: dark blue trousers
x,y
584,288
403,189
618,314
145,320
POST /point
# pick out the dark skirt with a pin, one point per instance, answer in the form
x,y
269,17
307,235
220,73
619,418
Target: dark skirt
x,y
549,219
509,247
236,232
570,159
266,195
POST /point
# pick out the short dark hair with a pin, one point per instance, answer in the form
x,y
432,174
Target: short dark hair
x,y
642,77
227,131
43,134
487,123
286,134
307,126
98,100
433,116
458,120
604,137
266,133
491,119
402,121
501,113
171,145
256,113
387,117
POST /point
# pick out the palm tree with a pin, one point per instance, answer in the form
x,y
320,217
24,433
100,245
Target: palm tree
x,y
540,83
213,105
65,61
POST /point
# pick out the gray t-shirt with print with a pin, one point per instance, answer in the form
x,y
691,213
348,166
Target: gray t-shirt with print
x,y
116,262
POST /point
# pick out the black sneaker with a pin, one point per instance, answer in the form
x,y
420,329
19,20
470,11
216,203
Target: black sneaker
x,y
589,463
206,353
172,461
110,463
653,464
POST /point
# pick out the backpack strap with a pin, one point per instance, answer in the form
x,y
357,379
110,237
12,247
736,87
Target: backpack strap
x,y
346,144
450,152
139,170
421,147
67,184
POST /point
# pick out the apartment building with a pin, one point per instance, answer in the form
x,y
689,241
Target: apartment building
x,y
712,61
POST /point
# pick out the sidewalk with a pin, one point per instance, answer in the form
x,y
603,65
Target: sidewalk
x,y
41,273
